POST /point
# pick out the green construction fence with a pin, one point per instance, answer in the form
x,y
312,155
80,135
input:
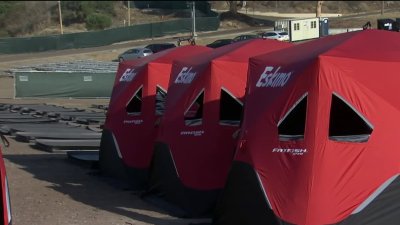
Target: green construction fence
x,y
104,37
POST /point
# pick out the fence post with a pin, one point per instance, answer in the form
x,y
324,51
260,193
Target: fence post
x,y
151,30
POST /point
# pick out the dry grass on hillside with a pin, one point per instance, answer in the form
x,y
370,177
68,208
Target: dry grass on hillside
x,y
145,16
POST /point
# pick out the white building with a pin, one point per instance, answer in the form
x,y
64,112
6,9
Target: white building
x,y
300,29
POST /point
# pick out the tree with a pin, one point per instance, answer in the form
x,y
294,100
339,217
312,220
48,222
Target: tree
x,y
232,6
319,8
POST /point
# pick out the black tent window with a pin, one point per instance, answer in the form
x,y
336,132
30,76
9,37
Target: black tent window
x,y
230,109
161,95
134,106
292,125
194,114
346,124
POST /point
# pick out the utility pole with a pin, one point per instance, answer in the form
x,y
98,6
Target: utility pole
x,y
194,20
129,13
383,7
319,8
60,16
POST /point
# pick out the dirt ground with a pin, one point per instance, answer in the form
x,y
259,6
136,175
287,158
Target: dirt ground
x,y
49,189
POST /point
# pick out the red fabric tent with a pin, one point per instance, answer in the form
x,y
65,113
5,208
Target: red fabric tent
x,y
5,195
195,146
320,135
135,106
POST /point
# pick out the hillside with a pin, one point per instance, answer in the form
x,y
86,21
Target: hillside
x,y
33,18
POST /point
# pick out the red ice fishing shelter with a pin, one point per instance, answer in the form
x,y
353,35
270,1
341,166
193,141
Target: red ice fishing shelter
x,y
5,195
136,104
195,147
320,136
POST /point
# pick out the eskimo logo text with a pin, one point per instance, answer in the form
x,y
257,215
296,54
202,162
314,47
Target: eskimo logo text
x,y
271,78
185,76
128,75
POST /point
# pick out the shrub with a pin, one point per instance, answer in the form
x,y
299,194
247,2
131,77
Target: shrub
x,y
78,11
97,21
